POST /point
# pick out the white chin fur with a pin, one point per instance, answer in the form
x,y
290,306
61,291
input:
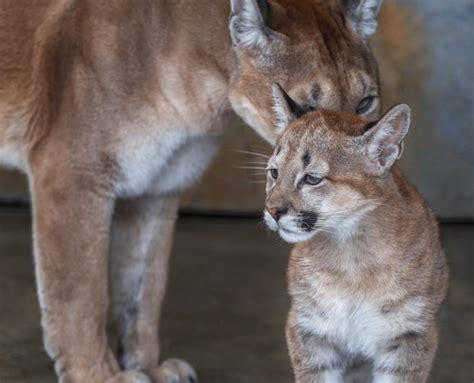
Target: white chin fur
x,y
272,225
292,237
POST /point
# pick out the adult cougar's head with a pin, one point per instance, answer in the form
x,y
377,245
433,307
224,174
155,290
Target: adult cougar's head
x,y
316,49
329,169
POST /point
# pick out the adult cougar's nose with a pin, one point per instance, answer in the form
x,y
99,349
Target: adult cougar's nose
x,y
276,212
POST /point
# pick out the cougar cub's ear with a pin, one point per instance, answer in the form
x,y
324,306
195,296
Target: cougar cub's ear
x,y
363,15
247,23
383,143
286,109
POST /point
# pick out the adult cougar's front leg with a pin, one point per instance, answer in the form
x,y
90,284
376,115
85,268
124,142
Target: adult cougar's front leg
x,y
142,237
72,213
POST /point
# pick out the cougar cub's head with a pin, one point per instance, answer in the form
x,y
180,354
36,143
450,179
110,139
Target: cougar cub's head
x,y
316,49
329,169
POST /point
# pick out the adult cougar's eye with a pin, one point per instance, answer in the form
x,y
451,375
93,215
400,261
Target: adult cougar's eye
x,y
311,180
365,105
274,173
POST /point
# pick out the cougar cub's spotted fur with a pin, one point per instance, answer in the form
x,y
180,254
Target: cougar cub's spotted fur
x,y
367,273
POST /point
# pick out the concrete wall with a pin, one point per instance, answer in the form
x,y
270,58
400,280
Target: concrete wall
x,y
425,51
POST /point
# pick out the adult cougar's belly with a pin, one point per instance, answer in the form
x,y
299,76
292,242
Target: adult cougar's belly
x,y
164,161
149,160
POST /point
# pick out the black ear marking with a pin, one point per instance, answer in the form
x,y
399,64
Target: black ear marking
x,y
369,126
296,109
286,109
264,8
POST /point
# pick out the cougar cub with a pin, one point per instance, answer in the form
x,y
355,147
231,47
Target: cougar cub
x,y
367,274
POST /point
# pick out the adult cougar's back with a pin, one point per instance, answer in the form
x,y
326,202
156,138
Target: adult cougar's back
x,y
113,107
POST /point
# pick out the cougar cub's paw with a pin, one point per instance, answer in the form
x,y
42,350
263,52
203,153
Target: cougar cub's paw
x,y
129,377
174,371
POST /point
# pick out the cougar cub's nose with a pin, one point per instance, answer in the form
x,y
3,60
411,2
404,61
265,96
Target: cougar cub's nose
x,y
277,212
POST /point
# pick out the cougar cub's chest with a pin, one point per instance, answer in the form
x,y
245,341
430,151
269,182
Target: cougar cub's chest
x,y
358,322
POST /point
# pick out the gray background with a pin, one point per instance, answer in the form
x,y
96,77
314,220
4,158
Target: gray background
x,y
440,149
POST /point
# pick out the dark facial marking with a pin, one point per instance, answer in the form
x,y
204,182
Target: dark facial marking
x,y
315,92
306,159
278,150
308,220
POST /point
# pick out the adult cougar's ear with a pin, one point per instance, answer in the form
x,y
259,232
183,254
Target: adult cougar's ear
x,y
382,144
363,14
286,109
247,23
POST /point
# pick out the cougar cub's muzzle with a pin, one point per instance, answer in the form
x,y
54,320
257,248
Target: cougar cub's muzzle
x,y
291,226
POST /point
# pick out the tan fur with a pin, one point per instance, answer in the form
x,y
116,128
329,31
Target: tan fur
x,y
367,274
113,107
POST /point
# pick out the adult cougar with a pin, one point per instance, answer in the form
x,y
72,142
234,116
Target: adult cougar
x,y
113,107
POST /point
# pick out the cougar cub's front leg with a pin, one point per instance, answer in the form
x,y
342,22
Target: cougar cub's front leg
x,y
407,358
142,234
72,211
314,359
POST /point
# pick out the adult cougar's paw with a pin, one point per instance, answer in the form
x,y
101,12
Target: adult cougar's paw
x,y
174,371
129,377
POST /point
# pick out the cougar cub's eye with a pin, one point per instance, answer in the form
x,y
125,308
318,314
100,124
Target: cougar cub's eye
x,y
365,105
274,173
311,180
